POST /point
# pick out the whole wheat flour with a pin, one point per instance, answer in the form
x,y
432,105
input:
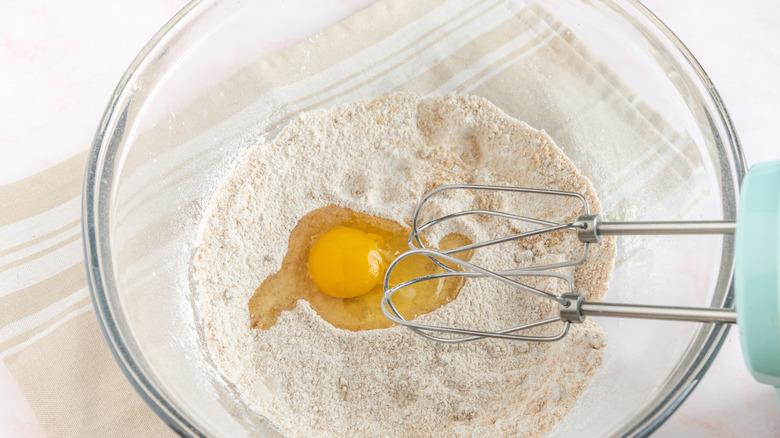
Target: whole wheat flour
x,y
379,157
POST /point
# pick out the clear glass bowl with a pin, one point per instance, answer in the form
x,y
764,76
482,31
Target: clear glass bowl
x,y
156,161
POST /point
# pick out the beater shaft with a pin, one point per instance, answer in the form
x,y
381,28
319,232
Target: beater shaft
x,y
660,312
679,227
578,309
590,228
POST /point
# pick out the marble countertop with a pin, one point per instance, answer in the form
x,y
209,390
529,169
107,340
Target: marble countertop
x,y
62,60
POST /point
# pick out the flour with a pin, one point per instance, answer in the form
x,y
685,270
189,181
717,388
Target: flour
x,y
379,157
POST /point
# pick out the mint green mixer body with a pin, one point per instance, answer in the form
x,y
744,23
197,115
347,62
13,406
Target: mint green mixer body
x,y
757,272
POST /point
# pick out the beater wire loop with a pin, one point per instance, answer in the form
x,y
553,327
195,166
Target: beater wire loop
x,y
471,271
416,241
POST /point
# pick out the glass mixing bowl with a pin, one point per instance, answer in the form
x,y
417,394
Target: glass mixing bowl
x,y
194,103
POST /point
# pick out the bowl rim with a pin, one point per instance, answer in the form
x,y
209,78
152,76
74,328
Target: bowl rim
x,y
97,277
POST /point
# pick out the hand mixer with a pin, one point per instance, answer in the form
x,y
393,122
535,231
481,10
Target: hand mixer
x,y
756,275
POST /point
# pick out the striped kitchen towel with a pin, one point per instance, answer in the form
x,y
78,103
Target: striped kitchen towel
x,y
49,336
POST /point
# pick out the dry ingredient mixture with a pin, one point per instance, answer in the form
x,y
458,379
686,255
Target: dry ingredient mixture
x,y
379,157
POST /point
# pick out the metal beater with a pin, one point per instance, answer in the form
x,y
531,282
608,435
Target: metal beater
x,y
589,229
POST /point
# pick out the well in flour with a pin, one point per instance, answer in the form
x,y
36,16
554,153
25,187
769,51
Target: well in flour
x,y
282,290
379,157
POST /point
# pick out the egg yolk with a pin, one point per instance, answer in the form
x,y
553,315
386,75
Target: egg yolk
x,y
346,262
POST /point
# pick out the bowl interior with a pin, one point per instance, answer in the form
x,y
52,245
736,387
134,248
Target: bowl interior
x,y
613,87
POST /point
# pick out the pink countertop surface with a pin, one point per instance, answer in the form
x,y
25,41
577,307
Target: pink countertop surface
x,y
61,61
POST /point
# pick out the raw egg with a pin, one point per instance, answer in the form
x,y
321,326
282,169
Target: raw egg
x,y
336,260
346,262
